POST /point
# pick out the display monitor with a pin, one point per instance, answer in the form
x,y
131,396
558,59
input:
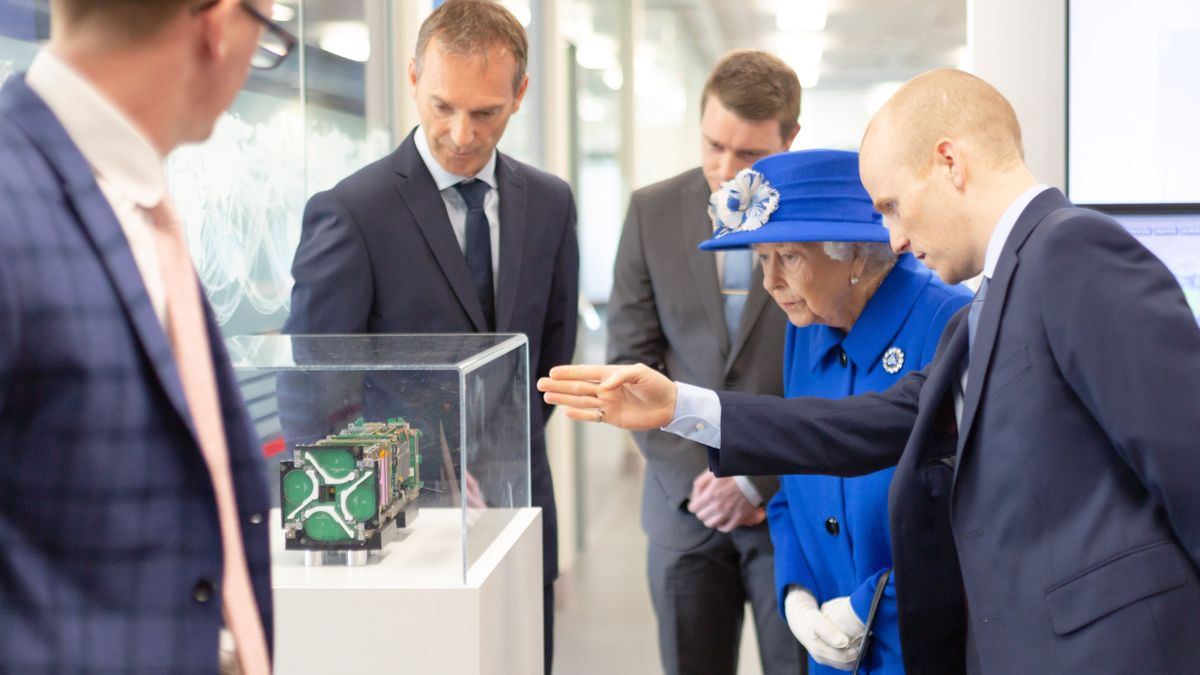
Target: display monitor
x,y
1172,236
1133,91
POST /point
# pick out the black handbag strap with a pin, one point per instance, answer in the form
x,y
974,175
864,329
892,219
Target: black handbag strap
x,y
868,628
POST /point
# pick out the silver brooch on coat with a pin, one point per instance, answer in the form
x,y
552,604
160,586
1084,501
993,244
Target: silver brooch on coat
x,y
893,360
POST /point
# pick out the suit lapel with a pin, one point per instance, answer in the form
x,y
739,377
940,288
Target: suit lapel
x,y
513,220
424,202
695,229
993,307
101,227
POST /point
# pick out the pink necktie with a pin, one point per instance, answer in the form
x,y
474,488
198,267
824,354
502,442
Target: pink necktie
x,y
189,341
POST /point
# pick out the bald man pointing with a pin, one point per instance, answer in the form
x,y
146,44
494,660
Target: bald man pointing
x,y
1044,511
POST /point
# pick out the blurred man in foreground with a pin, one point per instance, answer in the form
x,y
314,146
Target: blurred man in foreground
x,y
133,529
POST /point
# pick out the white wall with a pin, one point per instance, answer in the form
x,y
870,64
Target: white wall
x,y
1020,47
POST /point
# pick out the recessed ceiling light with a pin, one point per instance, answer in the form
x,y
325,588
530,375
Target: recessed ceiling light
x,y
347,39
801,15
282,13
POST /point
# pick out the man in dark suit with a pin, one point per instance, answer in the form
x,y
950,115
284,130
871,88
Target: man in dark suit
x,y
133,535
706,319
447,235
1044,511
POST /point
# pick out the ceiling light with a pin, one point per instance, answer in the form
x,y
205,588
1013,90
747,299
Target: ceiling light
x,y
802,53
613,79
597,52
347,39
801,15
282,13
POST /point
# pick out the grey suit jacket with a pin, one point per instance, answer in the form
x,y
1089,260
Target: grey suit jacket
x,y
665,311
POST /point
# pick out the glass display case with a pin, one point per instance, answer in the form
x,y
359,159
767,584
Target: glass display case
x,y
370,437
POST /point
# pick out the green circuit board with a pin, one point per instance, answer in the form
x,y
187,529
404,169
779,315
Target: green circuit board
x,y
343,491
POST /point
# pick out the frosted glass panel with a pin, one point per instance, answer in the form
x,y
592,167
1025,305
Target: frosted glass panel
x,y
295,130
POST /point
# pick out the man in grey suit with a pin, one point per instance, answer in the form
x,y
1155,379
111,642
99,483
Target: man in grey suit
x,y
706,320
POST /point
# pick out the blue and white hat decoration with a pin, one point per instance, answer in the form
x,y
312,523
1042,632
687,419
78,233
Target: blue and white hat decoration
x,y
807,195
743,204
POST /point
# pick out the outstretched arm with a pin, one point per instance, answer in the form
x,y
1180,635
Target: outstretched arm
x,y
754,435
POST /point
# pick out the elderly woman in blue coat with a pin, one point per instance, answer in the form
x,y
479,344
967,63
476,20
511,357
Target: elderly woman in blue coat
x,y
860,319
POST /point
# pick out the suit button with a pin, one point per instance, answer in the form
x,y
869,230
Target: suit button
x,y
203,591
842,357
256,519
832,527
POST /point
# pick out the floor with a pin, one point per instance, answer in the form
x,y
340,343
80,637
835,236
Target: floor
x,y
605,623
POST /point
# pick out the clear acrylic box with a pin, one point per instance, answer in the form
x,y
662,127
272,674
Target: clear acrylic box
x,y
343,419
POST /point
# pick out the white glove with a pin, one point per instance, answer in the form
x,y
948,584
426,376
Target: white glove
x,y
841,613
822,639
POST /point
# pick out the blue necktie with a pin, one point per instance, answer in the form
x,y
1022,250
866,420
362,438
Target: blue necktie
x,y
973,313
479,247
735,287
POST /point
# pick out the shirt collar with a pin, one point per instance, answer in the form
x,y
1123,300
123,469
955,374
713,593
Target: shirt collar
x,y
443,178
881,319
1003,228
115,148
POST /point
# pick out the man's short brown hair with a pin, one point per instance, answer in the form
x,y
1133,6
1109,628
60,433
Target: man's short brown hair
x,y
124,19
467,27
756,86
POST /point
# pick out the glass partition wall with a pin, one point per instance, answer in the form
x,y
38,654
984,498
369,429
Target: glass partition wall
x,y
293,131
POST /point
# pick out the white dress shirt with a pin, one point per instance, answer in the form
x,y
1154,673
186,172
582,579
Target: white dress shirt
x,y
456,208
698,410
127,167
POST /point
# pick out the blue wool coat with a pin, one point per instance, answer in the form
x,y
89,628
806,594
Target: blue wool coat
x,y
830,533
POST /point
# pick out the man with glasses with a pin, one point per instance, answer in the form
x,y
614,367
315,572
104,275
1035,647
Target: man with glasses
x,y
133,529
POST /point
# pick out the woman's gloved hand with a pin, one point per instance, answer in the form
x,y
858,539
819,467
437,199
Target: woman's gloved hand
x,y
825,642
841,613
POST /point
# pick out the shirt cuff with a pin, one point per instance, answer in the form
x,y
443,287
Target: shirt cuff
x,y
752,494
697,415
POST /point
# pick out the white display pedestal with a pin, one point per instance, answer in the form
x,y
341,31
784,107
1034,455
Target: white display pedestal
x,y
408,610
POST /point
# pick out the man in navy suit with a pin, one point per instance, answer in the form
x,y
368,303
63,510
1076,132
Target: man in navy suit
x,y
133,535
1044,511
447,235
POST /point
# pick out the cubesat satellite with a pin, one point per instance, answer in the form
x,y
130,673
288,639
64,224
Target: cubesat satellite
x,y
342,493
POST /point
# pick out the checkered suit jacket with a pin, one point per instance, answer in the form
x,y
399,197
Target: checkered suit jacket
x,y
110,550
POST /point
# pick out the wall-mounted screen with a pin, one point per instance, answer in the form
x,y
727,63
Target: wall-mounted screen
x,y
1175,239
1133,97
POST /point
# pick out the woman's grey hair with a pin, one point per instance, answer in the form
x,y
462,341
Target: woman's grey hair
x,y
877,253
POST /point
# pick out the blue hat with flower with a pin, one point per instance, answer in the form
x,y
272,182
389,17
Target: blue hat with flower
x,y
810,195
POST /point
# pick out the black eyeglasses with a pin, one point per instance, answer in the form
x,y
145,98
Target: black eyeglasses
x,y
274,41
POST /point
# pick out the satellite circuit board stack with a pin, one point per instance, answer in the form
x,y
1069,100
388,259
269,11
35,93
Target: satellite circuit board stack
x,y
342,492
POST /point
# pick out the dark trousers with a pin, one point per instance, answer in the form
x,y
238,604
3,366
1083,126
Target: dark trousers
x,y
699,598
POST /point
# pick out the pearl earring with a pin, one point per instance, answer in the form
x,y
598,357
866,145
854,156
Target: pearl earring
x,y
853,281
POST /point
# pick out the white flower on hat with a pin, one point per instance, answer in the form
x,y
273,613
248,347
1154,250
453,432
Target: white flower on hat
x,y
742,204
